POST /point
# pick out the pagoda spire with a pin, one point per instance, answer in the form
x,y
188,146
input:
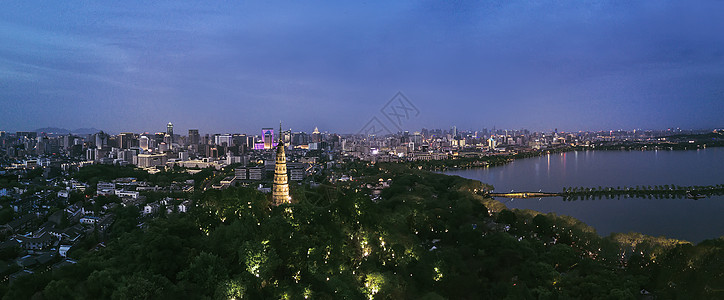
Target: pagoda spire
x,y
280,191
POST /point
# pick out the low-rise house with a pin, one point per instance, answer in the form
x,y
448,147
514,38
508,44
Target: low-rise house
x,y
105,223
89,220
10,243
63,250
109,206
23,205
133,202
184,206
77,186
56,217
150,208
45,258
18,274
46,227
263,189
27,261
240,173
63,263
126,194
74,211
256,173
296,174
105,188
34,243
228,181
73,233
21,223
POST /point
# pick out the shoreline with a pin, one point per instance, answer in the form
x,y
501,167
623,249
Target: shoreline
x,y
508,158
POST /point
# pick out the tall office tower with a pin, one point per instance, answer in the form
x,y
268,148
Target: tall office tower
x,y
194,137
280,194
91,154
169,130
316,136
41,145
492,143
168,139
101,139
300,138
454,131
240,140
67,141
286,137
416,139
223,140
267,136
143,142
125,140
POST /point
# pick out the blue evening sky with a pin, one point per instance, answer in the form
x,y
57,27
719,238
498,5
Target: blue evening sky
x,y
238,66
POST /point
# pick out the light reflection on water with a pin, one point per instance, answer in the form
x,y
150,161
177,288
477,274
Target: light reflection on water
x,y
692,220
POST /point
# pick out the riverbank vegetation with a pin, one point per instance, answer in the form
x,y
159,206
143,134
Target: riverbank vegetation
x,y
426,236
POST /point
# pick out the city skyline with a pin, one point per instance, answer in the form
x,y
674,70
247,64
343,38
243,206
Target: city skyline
x,y
184,132
134,67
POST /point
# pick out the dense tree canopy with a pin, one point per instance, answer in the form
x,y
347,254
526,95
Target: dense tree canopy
x,y
427,236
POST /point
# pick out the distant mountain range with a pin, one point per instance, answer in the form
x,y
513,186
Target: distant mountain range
x,y
63,131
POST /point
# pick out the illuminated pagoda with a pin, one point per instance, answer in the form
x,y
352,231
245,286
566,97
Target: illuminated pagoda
x,y
280,191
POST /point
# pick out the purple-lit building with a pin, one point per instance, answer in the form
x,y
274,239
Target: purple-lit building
x,y
267,138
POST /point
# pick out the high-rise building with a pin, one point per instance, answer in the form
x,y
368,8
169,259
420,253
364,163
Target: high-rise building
x,y
194,137
286,137
241,141
168,139
26,134
280,192
99,139
126,140
416,139
223,140
42,145
143,142
316,136
300,138
169,131
492,143
67,142
267,137
151,160
91,154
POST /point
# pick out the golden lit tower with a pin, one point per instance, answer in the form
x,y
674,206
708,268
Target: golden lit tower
x,y
280,193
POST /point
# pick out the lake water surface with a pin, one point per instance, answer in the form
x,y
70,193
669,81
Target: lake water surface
x,y
692,220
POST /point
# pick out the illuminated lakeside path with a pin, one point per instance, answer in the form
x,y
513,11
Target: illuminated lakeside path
x,y
693,192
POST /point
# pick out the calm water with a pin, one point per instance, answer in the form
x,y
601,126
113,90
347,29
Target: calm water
x,y
692,220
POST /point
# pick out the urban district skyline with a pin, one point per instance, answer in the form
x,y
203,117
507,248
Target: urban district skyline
x,y
259,130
